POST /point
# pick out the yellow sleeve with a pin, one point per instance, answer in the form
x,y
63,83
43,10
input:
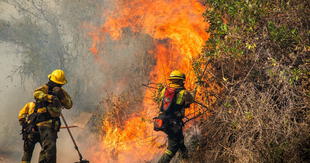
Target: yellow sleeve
x,y
40,94
23,113
184,97
66,101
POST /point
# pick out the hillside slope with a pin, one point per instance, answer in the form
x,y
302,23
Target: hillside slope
x,y
260,54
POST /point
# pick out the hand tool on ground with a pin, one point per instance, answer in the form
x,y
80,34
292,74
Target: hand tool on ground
x,y
75,145
64,127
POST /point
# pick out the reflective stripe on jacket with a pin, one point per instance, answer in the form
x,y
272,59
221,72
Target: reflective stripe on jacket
x,y
184,97
41,95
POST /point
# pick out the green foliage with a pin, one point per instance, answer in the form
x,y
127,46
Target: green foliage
x,y
295,75
222,15
277,150
248,115
282,35
259,52
227,104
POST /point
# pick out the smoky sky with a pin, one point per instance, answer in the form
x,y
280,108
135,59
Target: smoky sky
x,y
37,37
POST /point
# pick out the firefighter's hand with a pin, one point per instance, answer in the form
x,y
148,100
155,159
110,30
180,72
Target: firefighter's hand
x,y
56,102
188,99
58,92
22,122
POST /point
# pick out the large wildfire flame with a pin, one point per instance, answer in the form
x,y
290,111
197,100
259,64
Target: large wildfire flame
x,y
179,33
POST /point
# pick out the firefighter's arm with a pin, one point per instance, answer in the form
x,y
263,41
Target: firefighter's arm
x,y
23,113
66,100
188,98
41,95
185,98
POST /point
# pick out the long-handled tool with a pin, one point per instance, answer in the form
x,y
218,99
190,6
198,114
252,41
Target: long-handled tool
x,y
200,114
204,106
75,146
64,127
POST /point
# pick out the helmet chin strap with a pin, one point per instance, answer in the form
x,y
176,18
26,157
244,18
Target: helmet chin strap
x,y
53,84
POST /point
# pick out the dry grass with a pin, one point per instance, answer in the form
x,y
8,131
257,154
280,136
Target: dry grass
x,y
255,129
263,113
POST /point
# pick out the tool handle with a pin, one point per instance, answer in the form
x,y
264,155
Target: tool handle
x,y
69,131
204,106
199,103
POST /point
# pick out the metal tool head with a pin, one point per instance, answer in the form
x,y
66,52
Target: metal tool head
x,y
82,161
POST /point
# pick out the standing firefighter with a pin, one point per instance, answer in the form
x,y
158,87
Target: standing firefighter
x,y
50,98
30,134
175,98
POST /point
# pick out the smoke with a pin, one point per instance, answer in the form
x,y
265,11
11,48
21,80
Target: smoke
x,y
37,37
10,97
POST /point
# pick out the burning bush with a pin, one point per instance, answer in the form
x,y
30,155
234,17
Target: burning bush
x,y
177,33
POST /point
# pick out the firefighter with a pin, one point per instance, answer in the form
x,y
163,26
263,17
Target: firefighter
x,y
50,98
175,99
30,135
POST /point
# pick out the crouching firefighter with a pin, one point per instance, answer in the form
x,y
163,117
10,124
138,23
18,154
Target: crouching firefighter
x,y
174,99
50,98
30,132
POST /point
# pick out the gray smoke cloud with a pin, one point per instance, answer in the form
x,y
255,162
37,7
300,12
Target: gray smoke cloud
x,y
37,37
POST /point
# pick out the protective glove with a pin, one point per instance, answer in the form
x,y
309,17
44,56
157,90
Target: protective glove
x,y
56,102
57,91
22,122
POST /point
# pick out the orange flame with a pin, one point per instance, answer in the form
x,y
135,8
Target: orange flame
x,y
179,33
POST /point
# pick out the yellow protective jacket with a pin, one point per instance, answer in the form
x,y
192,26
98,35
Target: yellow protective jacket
x,y
27,110
184,97
41,95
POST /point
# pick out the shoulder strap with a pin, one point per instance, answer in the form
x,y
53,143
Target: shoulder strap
x,y
179,96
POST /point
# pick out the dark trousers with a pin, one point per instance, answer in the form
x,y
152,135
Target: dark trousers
x,y
48,140
175,142
30,141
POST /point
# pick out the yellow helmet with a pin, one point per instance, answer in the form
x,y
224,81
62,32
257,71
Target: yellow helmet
x,y
176,74
58,76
